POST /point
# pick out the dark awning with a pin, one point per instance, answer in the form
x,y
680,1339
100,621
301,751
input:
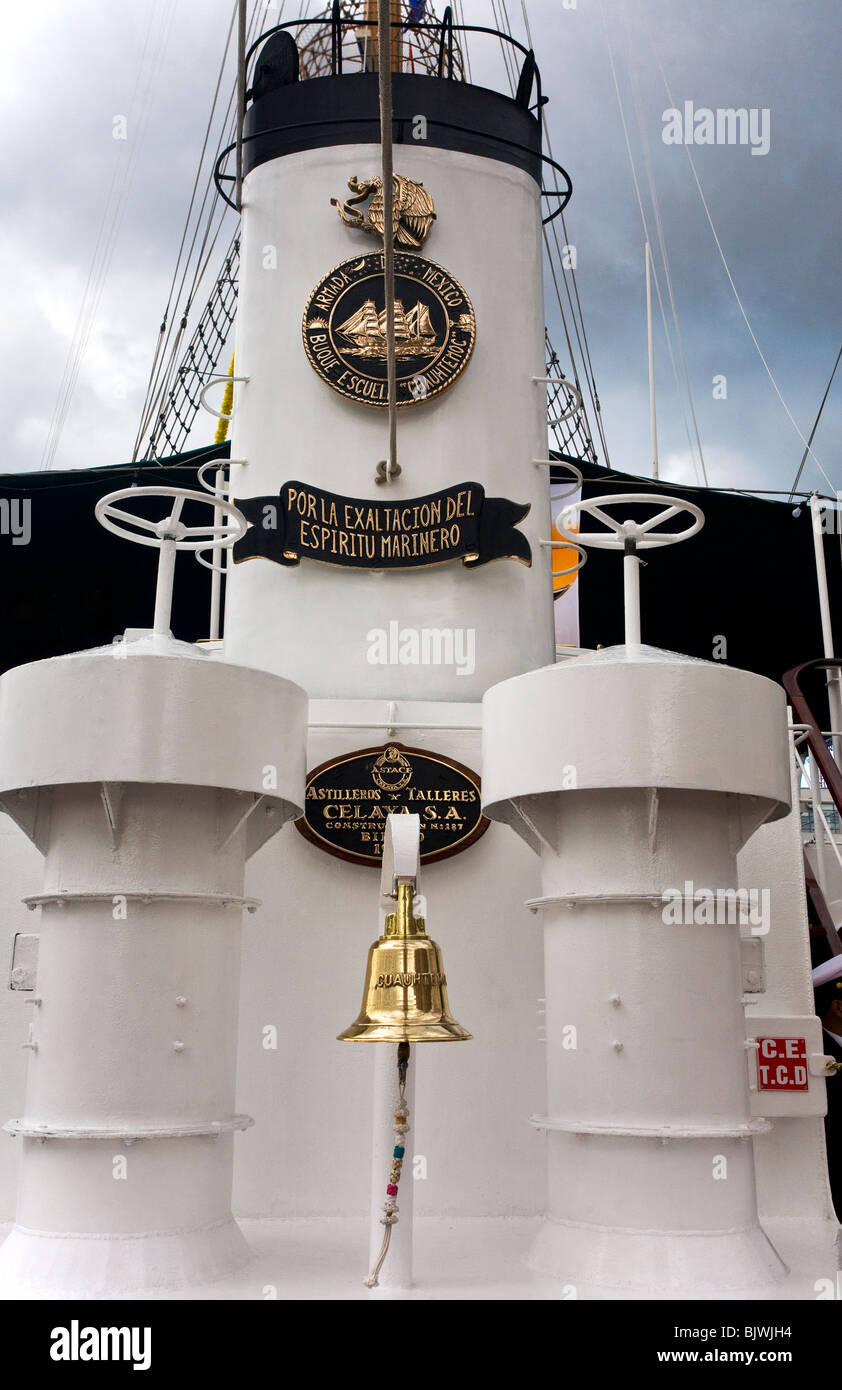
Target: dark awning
x,y
749,576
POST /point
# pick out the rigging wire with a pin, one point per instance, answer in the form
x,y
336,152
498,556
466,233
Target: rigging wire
x,y
147,75
581,338
722,257
584,345
625,481
653,194
165,366
197,456
160,345
511,76
100,263
647,237
578,319
815,427
163,380
170,369
460,14
674,365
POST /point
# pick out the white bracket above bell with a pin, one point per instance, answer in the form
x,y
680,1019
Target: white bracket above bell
x,y
630,537
401,853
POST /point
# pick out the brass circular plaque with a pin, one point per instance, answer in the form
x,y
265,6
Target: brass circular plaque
x,y
344,329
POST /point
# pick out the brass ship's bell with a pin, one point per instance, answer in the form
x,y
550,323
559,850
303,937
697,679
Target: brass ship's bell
x,y
405,994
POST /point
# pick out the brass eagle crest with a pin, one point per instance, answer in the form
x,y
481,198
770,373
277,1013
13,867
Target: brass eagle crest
x,y
413,211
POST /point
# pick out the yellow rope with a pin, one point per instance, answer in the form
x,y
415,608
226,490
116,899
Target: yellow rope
x,y
227,401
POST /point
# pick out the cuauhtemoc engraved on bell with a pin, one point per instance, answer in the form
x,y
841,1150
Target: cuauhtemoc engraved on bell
x,y
405,994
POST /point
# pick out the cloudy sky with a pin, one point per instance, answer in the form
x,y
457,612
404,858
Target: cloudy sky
x,y
76,197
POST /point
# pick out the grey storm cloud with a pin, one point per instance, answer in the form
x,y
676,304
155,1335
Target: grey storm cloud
x,y
68,71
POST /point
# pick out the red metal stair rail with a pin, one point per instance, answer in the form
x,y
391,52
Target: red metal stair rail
x,y
832,777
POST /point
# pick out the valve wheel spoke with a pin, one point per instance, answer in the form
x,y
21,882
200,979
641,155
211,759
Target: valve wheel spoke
x,y
118,515
660,516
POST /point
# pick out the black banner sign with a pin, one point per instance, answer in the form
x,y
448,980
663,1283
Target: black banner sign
x,y
348,799
460,523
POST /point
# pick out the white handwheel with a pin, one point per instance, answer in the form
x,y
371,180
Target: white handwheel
x,y
170,528
640,533
630,537
169,535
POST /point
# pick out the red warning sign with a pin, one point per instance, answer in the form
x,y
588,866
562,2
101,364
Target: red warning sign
x,y
782,1064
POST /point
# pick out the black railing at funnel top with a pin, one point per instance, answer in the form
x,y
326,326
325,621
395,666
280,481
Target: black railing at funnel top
x,y
562,194
823,760
445,28
529,75
336,23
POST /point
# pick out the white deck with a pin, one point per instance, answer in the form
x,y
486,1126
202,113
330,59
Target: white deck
x,y
454,1260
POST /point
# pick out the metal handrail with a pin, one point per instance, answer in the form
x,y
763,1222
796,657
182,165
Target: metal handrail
x,y
563,194
825,762
445,28
830,774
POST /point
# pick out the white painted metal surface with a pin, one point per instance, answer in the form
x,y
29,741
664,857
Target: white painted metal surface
x,y
495,989
283,1167
127,770
634,771
790,1159
311,622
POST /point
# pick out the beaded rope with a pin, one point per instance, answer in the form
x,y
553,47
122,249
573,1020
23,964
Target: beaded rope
x,y
400,1126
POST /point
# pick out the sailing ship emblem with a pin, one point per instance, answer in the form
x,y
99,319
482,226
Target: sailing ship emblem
x,y
366,329
344,329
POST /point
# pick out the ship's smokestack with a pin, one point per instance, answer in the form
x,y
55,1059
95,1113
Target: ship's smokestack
x,y
311,420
